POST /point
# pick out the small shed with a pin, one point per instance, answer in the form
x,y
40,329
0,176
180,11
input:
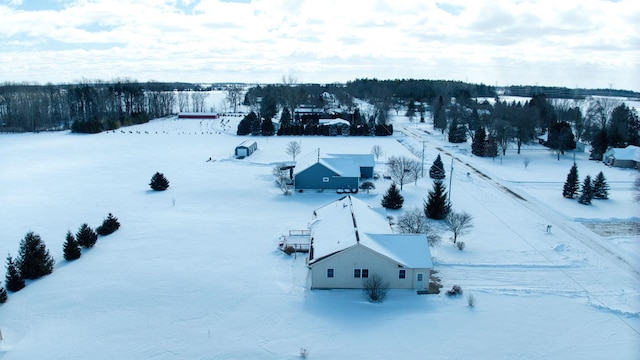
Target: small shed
x,y
628,157
246,148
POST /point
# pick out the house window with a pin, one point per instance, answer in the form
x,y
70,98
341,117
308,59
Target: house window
x,y
329,273
361,273
325,179
419,277
402,274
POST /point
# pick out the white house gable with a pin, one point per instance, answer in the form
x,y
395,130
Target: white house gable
x,y
351,242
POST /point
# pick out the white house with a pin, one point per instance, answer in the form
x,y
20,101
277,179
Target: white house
x,y
350,241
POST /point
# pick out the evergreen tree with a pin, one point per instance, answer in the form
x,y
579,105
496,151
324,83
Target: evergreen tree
x,y
34,260
599,145
159,182
285,117
411,110
437,169
244,127
13,279
86,237
457,132
587,191
109,225
3,295
491,147
267,128
600,187
256,126
392,199
71,248
561,137
437,205
571,185
479,142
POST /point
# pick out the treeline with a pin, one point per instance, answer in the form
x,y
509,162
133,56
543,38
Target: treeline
x,y
565,93
90,106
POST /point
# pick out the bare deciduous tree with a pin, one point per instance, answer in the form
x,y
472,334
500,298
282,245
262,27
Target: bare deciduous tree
x,y
459,223
197,101
401,169
233,96
413,221
376,150
293,149
183,101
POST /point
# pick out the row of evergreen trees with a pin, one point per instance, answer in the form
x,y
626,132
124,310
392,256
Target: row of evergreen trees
x,y
256,125
590,189
34,260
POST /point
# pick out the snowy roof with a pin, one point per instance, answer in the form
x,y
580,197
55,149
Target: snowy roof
x,y
631,152
342,164
348,221
334,122
361,159
247,143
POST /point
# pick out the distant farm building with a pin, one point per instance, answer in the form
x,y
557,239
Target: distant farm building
x,y
246,148
628,157
197,115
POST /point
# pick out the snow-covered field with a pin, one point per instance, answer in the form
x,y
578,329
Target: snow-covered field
x,y
194,271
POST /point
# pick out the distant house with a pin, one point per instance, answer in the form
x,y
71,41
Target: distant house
x,y
333,171
246,148
197,115
628,157
350,241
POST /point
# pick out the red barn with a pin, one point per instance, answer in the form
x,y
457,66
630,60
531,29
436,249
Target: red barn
x,y
197,115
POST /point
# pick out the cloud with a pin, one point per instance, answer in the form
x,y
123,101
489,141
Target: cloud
x,y
323,41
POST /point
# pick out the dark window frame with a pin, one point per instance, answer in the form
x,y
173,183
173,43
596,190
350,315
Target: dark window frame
x,y
330,273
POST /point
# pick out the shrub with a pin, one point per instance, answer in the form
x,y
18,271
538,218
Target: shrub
x,y
109,225
460,245
86,237
454,291
375,289
159,182
289,250
434,283
304,353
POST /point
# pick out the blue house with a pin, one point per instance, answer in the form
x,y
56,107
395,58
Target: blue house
x,y
333,171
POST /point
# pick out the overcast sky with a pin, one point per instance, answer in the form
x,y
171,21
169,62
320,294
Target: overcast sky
x,y
585,43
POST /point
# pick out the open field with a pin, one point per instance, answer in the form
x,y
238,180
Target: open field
x,y
194,272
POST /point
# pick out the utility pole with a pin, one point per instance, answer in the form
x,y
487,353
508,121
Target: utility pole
x,y
450,179
422,163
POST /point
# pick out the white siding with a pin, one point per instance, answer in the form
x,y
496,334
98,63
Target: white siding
x,y
361,257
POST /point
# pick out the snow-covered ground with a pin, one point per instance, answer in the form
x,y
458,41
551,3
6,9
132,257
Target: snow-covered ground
x,y
194,271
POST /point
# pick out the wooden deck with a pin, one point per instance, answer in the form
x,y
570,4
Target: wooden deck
x,y
299,240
